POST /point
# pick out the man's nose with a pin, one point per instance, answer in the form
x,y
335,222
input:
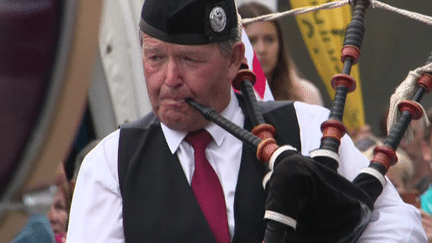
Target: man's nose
x,y
173,76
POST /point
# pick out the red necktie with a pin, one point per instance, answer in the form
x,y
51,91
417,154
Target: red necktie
x,y
207,188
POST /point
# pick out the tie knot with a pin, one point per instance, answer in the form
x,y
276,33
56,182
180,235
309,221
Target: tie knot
x,y
199,139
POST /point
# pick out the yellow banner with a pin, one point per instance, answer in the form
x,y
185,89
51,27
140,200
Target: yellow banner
x,y
323,32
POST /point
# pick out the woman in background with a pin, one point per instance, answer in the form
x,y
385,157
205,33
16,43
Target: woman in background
x,y
58,215
282,75
50,226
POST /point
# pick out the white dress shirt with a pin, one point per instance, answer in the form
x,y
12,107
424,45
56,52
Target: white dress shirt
x,y
96,211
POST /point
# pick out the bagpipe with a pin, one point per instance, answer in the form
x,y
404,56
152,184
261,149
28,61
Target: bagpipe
x,y
296,184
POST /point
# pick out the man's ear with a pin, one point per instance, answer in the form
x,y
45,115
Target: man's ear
x,y
237,58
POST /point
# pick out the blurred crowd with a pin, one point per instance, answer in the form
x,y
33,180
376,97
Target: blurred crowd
x,y
412,174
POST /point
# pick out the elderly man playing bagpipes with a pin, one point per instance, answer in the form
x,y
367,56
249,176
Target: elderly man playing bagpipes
x,y
174,176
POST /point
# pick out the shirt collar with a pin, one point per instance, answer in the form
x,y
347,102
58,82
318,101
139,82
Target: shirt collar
x,y
174,138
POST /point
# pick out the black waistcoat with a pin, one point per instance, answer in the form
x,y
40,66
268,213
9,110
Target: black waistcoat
x,y
158,203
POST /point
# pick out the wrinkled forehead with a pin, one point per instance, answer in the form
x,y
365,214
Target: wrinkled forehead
x,y
150,43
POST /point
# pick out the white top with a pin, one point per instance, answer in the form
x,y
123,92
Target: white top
x,y
96,211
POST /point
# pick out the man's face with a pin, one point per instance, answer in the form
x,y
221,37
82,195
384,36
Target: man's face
x,y
175,72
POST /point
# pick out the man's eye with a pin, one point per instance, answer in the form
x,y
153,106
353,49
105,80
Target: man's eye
x,y
155,57
190,59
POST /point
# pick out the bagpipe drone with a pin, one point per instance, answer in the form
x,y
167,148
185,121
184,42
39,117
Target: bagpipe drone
x,y
296,185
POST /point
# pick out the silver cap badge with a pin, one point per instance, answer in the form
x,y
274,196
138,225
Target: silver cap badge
x,y
218,19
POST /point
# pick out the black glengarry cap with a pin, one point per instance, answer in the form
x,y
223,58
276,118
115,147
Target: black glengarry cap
x,y
189,22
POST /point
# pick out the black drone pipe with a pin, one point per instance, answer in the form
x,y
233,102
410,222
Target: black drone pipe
x,y
244,82
344,83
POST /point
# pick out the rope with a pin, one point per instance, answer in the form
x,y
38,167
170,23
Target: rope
x,y
297,11
337,4
413,15
425,69
403,92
